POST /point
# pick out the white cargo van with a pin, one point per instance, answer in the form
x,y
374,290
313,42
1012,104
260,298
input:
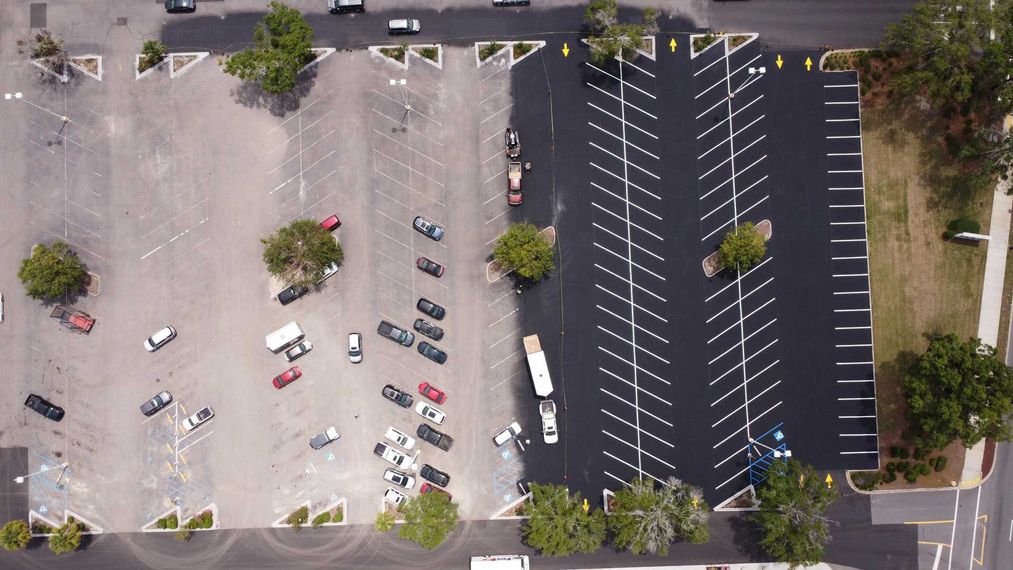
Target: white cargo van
x,y
284,337
500,562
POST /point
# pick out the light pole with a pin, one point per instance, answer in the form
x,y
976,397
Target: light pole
x,y
45,469
404,97
754,74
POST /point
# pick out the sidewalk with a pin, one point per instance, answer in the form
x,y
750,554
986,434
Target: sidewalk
x,y
991,299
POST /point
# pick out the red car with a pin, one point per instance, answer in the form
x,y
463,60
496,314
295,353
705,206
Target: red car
x,y
287,377
331,223
431,392
428,488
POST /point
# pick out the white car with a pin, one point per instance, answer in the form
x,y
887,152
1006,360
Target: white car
x,y
430,413
399,478
298,350
355,347
399,437
394,497
508,433
198,419
328,271
389,454
157,340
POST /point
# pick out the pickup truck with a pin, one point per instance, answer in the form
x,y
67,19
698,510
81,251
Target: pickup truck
x,y
547,409
388,453
514,195
73,319
44,407
437,438
400,336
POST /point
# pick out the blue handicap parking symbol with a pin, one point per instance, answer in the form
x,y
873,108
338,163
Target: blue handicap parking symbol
x,y
506,455
330,457
778,435
43,509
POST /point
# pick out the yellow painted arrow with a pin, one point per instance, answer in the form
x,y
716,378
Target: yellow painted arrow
x,y
672,45
779,61
808,64
566,50
586,506
829,481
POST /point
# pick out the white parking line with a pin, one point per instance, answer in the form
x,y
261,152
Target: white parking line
x,y
740,319
854,364
867,380
622,101
300,153
635,346
852,310
636,368
501,297
737,344
508,336
734,303
746,403
732,157
745,427
624,82
414,109
628,282
410,149
726,119
395,240
747,381
513,354
740,278
851,292
487,119
643,431
847,240
174,238
301,172
629,261
630,404
499,320
494,176
624,200
640,470
631,145
629,322
850,275
622,159
852,345
626,220
392,199
640,450
640,69
635,387
734,196
401,283
626,182
410,169
847,223
617,236
623,121
850,328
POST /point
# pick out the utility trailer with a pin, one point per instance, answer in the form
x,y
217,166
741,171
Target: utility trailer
x,y
73,319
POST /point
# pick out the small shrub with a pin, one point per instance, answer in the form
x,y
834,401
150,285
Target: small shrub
x,y
161,523
153,52
521,48
488,50
299,518
903,453
911,476
903,467
920,453
184,534
429,53
395,53
889,477
877,76
894,451
339,515
700,43
923,469
964,225
932,462
205,519
324,517
867,480
940,463
384,521
46,46
891,467
736,41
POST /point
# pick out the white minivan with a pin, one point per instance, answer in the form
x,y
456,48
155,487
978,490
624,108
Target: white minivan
x,y
355,347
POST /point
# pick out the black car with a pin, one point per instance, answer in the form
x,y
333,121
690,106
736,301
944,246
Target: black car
x,y
175,6
432,353
427,228
429,329
429,266
155,404
437,438
291,294
44,407
396,395
430,308
433,474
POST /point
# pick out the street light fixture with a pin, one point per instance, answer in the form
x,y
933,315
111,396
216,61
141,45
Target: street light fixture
x,y
754,74
45,468
404,97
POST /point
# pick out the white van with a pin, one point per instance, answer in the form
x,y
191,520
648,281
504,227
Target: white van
x,y
284,337
500,562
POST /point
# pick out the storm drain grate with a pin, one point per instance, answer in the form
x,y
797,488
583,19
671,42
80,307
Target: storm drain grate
x,y
121,21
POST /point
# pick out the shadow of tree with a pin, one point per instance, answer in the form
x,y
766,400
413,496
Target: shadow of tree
x,y
746,537
252,95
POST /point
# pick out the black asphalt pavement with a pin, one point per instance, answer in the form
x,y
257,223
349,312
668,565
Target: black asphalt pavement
x,y
13,463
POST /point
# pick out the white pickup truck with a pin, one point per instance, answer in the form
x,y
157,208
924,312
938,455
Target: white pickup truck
x,y
547,409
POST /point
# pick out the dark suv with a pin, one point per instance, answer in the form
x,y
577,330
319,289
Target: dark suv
x,y
435,437
429,329
396,395
430,308
291,294
432,353
44,407
435,475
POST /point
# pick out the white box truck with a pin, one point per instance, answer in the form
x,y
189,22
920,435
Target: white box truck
x,y
500,562
538,366
284,337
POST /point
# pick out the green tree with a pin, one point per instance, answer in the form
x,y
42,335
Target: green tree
x,y
15,535
743,247
959,390
620,40
384,521
648,518
525,250
600,14
282,46
52,271
298,517
299,252
153,52
66,538
429,518
792,502
558,525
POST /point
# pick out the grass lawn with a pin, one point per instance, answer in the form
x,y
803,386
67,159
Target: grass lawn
x,y
921,284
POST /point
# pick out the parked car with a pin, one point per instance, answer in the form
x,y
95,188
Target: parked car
x,y
394,333
428,228
321,439
431,413
511,2
430,308
435,437
435,475
432,392
156,403
388,453
394,497
329,270
331,223
397,395
428,488
287,377
298,350
398,478
180,6
291,293
355,347
507,433
429,329
512,142
159,339
44,407
342,6
429,266
202,416
404,26
432,353
399,437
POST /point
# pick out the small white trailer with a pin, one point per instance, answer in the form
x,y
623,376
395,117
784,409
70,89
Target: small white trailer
x,y
538,366
284,337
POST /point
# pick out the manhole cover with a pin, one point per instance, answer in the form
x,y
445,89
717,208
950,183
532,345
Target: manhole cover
x,y
121,21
